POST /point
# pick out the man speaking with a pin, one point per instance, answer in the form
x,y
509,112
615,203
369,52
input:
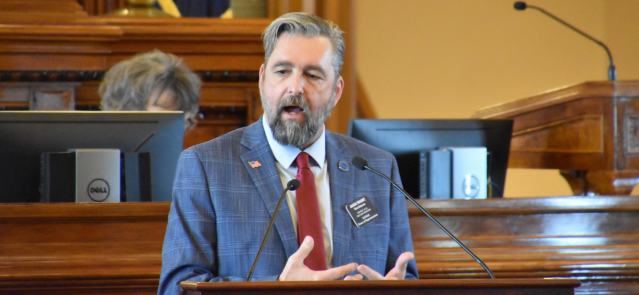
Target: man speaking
x,y
341,223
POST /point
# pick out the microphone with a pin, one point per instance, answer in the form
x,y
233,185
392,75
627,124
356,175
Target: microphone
x,y
292,185
362,164
612,71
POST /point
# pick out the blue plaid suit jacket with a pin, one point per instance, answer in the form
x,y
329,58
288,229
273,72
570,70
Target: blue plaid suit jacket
x,y
222,206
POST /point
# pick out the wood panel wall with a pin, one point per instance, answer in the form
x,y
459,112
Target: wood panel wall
x,y
74,49
57,43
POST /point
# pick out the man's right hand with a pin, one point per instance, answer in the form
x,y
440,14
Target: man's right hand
x,y
295,270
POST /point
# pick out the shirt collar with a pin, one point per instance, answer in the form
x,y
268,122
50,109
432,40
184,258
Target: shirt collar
x,y
286,154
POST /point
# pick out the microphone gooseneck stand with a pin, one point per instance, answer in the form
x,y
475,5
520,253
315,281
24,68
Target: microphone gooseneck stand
x,y
612,71
290,186
362,164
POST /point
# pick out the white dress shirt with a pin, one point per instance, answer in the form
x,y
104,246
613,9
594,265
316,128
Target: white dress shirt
x,y
287,168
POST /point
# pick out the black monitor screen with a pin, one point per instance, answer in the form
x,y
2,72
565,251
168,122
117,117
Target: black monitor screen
x,y
25,135
405,139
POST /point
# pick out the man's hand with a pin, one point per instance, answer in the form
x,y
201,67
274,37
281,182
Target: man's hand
x,y
397,273
295,270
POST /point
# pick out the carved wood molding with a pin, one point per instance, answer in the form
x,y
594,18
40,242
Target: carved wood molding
x,y
50,76
81,76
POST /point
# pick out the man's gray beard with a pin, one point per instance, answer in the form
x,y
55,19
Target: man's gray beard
x,y
290,132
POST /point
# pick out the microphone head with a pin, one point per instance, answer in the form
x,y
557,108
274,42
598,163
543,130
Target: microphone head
x,y
293,184
359,162
520,5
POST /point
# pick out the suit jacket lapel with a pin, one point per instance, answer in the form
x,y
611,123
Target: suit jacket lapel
x,y
267,181
342,183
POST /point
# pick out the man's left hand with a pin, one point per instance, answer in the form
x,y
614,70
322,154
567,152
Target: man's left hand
x,y
397,273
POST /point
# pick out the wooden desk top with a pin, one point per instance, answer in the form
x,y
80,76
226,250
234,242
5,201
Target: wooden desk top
x,y
431,287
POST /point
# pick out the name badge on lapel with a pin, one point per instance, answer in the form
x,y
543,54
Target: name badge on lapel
x,y
362,211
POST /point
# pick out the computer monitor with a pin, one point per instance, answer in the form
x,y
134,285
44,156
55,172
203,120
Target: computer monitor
x,y
25,135
405,139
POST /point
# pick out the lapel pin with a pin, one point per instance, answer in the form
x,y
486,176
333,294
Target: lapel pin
x,y
255,164
342,166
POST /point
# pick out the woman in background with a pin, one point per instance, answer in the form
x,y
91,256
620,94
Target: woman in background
x,y
153,81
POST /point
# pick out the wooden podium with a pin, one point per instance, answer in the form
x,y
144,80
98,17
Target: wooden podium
x,y
430,287
589,130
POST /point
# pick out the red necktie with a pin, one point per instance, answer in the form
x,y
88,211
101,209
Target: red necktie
x,y
309,222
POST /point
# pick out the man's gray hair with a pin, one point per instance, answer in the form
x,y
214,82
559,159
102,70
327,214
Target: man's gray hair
x,y
307,25
128,85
